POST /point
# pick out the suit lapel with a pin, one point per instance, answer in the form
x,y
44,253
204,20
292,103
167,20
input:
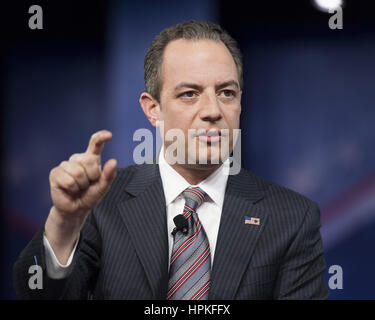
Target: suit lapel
x,y
145,218
236,240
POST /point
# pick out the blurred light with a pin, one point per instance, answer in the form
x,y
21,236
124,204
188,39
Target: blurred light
x,y
327,5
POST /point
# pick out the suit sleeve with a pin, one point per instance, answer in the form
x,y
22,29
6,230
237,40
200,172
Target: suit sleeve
x,y
78,284
302,270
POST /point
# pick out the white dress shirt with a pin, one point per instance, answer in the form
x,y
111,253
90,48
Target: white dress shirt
x,y
209,212
174,184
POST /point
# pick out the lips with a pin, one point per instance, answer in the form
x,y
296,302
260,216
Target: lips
x,y
210,136
209,133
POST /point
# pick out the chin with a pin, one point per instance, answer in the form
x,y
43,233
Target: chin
x,y
205,161
213,156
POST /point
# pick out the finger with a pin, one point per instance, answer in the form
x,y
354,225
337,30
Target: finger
x,y
90,164
108,175
109,170
97,141
77,172
62,180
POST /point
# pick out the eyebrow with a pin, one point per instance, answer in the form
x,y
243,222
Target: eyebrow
x,y
200,88
227,84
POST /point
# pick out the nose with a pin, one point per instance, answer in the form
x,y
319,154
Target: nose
x,y
210,108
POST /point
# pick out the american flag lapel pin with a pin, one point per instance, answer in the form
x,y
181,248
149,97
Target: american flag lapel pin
x,y
252,220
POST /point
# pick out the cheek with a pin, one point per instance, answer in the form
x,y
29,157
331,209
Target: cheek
x,y
178,119
233,118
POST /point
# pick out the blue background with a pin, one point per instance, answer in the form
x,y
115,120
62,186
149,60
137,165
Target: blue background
x,y
307,121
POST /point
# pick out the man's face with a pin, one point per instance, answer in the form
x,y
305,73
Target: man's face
x,y
200,90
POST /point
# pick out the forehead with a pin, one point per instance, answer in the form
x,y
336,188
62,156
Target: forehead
x,y
199,61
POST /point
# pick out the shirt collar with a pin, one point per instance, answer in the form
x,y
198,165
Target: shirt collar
x,y
174,184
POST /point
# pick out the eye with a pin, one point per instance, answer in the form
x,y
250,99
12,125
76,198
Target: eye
x,y
228,93
188,94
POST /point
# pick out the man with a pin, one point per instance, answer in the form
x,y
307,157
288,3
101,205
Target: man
x,y
111,234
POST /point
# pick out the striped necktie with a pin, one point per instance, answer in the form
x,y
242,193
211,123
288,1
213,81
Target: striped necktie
x,y
190,266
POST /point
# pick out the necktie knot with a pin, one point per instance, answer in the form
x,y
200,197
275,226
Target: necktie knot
x,y
194,197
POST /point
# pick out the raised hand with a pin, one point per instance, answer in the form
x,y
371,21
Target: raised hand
x,y
77,186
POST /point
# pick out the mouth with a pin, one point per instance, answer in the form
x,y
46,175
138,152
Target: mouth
x,y
209,136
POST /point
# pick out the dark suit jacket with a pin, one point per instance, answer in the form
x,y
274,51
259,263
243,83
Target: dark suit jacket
x,y
123,248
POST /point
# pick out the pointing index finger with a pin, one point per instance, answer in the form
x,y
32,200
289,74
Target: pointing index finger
x,y
97,141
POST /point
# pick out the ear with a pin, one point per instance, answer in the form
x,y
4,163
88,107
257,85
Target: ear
x,y
150,107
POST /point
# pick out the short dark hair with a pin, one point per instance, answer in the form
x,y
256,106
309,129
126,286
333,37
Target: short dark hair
x,y
189,30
